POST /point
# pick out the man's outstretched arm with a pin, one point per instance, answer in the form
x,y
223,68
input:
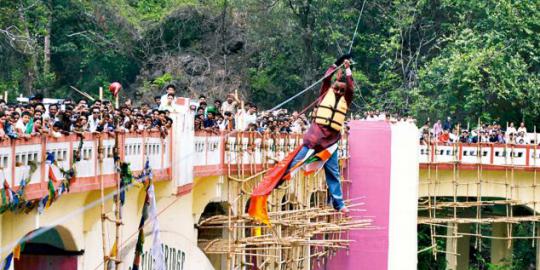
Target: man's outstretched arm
x,y
350,81
327,82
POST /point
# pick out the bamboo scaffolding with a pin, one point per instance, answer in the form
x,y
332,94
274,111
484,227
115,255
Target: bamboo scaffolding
x,y
469,200
302,223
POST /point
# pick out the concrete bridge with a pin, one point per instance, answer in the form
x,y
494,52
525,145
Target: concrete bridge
x,y
198,175
465,185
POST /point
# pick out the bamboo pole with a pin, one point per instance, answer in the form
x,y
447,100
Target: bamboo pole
x,y
534,183
102,194
118,204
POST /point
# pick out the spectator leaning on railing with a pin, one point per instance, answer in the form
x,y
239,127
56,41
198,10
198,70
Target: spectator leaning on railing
x,y
234,114
23,121
486,133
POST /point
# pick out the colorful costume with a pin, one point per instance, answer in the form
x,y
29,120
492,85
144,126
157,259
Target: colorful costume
x,y
319,148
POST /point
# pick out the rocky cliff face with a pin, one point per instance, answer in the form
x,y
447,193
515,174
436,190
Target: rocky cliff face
x,y
198,52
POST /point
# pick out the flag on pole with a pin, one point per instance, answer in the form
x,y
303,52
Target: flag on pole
x,y
17,251
42,204
51,195
258,201
50,160
157,252
22,186
126,178
6,263
14,199
140,238
4,197
311,163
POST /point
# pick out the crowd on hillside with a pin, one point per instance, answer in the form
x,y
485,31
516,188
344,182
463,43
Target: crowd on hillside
x,y
34,118
447,133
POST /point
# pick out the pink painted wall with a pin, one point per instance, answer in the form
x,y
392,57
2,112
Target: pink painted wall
x,y
370,164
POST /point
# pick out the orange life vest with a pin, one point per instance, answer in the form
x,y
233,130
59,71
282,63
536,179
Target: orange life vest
x,y
331,111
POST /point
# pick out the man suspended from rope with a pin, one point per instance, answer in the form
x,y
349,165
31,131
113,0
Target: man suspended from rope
x,y
320,143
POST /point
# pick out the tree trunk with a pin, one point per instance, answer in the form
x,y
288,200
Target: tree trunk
x,y
47,44
308,47
307,38
31,68
223,21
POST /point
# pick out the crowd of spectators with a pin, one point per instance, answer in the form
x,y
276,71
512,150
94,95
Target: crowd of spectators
x,y
233,114
34,118
384,116
24,120
447,133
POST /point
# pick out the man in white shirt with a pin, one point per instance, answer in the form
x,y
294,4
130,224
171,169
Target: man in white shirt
x,y
168,104
230,105
171,90
94,119
522,128
21,124
297,126
50,115
511,129
251,116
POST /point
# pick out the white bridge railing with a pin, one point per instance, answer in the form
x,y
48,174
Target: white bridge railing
x,y
181,156
19,156
250,148
483,153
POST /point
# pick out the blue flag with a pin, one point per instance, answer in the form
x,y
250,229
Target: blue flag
x,y
6,263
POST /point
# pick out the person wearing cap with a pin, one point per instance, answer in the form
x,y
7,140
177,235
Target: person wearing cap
x,y
37,98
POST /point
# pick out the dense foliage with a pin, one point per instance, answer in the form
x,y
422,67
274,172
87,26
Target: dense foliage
x,y
469,59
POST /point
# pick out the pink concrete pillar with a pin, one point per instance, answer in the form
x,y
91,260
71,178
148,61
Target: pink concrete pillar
x,y
384,170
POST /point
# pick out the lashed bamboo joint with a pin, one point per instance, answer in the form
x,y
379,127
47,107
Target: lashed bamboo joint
x,y
477,194
304,229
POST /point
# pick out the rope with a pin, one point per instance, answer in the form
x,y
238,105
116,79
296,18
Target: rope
x,y
109,196
321,79
303,91
357,24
